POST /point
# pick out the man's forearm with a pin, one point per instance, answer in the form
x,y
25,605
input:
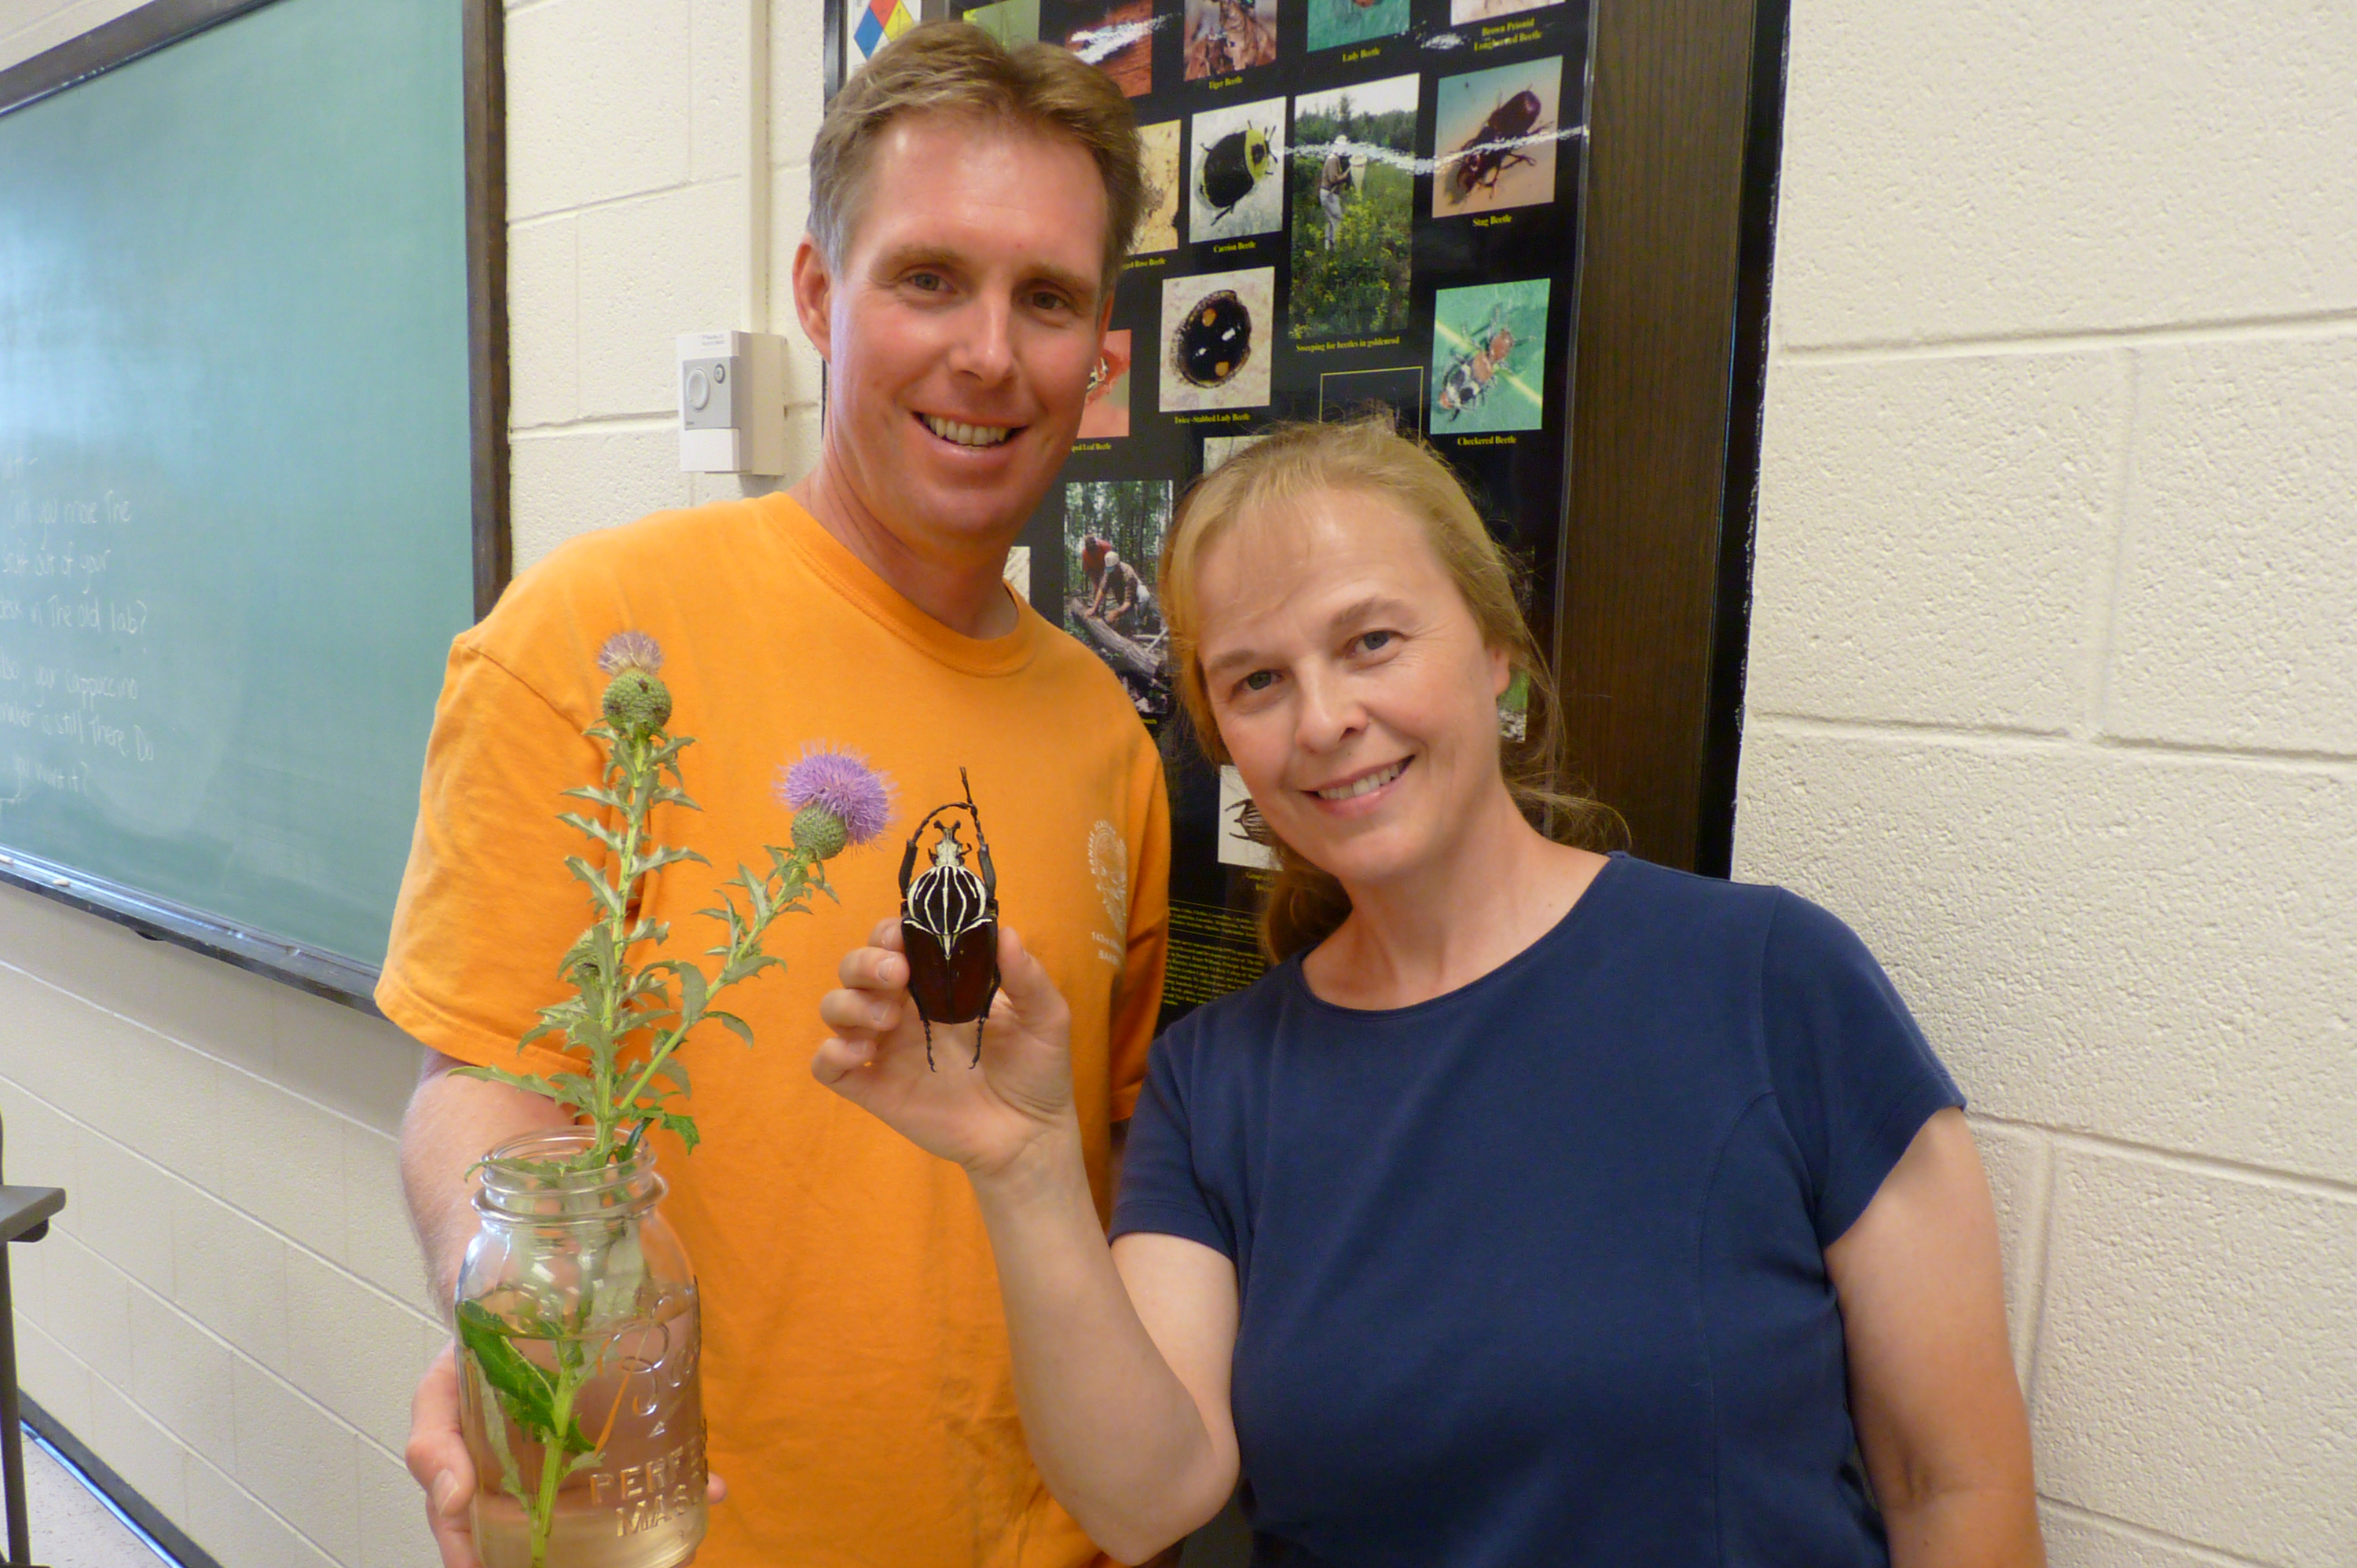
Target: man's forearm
x,y
451,1123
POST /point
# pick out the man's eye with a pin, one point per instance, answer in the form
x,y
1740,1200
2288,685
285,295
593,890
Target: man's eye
x,y
931,282
1046,301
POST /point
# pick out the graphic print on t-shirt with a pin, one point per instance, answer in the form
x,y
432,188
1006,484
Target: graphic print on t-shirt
x,y
1109,864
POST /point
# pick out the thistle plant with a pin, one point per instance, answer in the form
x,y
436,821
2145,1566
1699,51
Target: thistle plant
x,y
629,1022
625,1022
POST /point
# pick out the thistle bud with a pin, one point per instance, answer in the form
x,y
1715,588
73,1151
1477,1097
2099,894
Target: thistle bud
x,y
637,703
819,832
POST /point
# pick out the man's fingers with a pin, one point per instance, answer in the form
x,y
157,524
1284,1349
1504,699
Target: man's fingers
x,y
437,1455
841,1065
873,969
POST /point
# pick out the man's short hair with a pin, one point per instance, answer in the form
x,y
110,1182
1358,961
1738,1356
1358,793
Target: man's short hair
x,y
956,68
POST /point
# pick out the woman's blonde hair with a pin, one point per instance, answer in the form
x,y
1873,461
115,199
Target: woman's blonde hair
x,y
956,68
1305,904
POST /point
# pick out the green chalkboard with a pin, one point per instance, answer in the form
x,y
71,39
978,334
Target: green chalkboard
x,y
239,450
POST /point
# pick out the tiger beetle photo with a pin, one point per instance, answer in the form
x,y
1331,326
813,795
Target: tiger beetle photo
x,y
949,926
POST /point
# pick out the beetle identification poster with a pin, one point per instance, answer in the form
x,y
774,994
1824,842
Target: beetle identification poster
x,y
1377,211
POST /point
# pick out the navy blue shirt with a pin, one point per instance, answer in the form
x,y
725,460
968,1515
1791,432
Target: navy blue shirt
x,y
1533,1273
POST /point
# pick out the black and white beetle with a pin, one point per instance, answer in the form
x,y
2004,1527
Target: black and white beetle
x,y
949,926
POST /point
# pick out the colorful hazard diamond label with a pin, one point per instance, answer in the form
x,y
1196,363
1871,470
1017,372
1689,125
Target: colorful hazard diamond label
x,y
877,23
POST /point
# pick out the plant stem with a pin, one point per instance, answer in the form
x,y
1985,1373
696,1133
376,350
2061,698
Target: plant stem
x,y
553,1461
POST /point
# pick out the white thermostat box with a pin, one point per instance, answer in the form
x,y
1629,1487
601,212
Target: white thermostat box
x,y
732,403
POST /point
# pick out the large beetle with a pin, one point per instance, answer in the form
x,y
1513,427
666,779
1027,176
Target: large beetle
x,y
949,926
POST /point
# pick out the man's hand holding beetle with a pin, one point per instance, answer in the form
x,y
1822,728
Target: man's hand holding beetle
x,y
987,1117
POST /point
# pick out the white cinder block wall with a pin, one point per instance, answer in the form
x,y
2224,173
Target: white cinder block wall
x,y
2053,694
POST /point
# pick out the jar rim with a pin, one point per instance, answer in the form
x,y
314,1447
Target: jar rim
x,y
521,1178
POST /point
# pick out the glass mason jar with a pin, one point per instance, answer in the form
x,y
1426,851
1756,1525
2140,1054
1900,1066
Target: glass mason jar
x,y
578,1342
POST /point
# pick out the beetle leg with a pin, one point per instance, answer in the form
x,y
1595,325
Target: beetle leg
x,y
988,997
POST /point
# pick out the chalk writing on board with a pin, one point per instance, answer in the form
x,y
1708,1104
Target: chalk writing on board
x,y
71,644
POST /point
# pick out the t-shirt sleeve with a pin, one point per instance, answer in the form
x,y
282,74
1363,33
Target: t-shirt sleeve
x,y
1161,1193
1139,1003
487,910
1854,1076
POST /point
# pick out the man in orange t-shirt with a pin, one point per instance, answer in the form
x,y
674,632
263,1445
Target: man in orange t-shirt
x,y
970,207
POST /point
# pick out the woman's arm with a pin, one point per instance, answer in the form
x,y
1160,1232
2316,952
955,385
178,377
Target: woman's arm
x,y
1938,1414
1121,1354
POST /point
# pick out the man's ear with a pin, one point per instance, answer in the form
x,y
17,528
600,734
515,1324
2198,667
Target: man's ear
x,y
813,295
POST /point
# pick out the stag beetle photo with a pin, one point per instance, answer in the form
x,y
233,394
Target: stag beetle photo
x,y
949,926
1489,152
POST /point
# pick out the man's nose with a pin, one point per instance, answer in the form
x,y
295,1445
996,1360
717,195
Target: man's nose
x,y
984,344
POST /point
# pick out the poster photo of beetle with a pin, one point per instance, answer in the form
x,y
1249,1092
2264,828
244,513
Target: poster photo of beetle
x,y
1463,11
1224,37
1158,230
1489,358
1495,138
1218,333
1235,175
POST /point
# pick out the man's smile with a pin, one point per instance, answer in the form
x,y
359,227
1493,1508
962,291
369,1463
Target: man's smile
x,y
963,435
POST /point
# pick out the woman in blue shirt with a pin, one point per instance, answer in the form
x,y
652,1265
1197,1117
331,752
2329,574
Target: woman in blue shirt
x,y
1539,1207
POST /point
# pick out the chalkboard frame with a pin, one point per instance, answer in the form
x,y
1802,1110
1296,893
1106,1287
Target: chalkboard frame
x,y
142,32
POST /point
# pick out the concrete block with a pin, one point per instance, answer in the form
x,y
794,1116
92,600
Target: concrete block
x,y
38,1148
178,994
797,81
122,1210
299,1461
544,323
44,28
650,270
50,1043
720,56
292,1179
135,1447
163,1104
1932,535
356,1065
2019,1164
2113,942
351,1349
378,1245
182,1376
233,1527
598,102
2025,167
90,1306
2197,1357
2077,1540
231,1273
52,1376
565,485
393,1517
2234,624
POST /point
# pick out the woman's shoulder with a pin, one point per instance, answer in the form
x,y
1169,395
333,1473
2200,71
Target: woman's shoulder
x,y
1229,1027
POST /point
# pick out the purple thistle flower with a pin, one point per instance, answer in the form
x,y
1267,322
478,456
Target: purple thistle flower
x,y
841,782
631,650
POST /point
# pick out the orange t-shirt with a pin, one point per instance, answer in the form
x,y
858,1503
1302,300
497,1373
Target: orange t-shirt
x,y
856,1380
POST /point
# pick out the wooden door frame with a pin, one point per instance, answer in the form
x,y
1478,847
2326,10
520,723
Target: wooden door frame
x,y
1653,597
